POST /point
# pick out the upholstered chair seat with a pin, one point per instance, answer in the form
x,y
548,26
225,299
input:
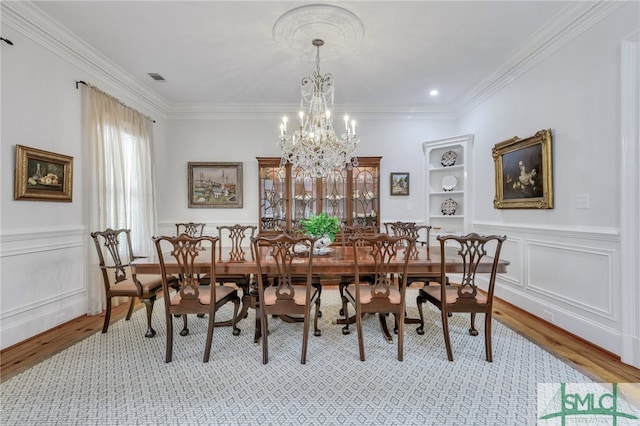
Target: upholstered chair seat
x,y
204,295
394,296
451,292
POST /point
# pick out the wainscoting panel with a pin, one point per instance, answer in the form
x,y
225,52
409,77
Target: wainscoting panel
x,y
43,281
512,250
580,276
566,276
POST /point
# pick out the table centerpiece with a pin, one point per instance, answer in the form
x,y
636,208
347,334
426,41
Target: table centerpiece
x,y
324,228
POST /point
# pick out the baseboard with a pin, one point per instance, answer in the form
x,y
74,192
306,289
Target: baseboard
x,y
590,331
23,327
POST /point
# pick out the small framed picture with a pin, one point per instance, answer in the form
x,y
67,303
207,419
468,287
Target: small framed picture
x,y
42,175
524,172
399,183
215,185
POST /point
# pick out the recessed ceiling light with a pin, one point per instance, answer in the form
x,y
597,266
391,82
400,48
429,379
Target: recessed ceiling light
x,y
433,92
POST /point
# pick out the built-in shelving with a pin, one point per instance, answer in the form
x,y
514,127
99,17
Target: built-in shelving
x,y
448,163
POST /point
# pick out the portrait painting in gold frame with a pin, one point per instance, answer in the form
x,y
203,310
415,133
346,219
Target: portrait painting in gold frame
x,y
523,172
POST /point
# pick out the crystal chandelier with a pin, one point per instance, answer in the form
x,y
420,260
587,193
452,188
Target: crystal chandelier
x,y
314,146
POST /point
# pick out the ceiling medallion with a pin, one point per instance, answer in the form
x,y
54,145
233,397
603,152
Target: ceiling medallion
x,y
339,28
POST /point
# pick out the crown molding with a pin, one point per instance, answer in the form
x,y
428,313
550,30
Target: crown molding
x,y
569,23
573,20
276,111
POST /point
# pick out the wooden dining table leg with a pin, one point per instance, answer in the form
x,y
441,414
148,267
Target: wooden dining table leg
x,y
246,304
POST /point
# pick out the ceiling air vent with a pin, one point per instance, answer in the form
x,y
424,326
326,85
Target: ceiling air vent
x,y
156,76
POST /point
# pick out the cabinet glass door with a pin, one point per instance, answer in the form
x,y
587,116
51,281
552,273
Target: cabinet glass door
x,y
334,189
304,190
364,195
273,208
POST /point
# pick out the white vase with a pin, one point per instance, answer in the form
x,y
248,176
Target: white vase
x,y
321,243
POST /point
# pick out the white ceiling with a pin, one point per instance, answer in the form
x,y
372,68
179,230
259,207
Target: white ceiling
x,y
224,53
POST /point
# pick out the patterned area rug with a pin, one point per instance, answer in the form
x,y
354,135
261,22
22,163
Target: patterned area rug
x,y
120,378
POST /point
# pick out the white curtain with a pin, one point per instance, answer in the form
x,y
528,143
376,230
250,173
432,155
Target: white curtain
x,y
119,177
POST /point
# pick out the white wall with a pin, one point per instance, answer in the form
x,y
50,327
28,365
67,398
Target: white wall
x,y
43,245
399,142
565,262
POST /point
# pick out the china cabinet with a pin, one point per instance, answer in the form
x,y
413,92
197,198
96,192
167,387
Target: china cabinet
x,y
287,194
448,184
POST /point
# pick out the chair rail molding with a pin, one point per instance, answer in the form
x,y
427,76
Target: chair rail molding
x,y
567,231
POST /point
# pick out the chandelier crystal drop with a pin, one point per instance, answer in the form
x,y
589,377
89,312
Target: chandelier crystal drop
x,y
314,145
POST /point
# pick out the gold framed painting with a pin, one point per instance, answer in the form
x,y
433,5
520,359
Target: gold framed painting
x,y
215,185
524,172
42,175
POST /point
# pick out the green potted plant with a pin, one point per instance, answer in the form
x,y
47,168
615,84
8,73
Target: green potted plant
x,y
321,225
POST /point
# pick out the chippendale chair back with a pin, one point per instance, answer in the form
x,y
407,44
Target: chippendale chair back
x,y
192,229
378,292
347,237
234,237
464,295
288,295
397,228
191,297
409,229
235,242
347,232
115,254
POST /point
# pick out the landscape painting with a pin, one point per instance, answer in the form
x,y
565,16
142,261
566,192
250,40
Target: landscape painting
x,y
215,185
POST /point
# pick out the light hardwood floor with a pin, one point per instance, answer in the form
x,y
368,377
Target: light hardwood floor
x,y
601,365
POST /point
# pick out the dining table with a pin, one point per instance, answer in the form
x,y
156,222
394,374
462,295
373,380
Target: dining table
x,y
337,261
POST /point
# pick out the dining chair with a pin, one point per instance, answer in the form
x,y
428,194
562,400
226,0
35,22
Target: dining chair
x,y
231,241
464,296
410,229
383,294
193,229
115,254
422,235
397,228
193,298
344,237
297,230
285,297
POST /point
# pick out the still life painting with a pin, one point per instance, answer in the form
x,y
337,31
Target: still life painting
x,y
42,175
